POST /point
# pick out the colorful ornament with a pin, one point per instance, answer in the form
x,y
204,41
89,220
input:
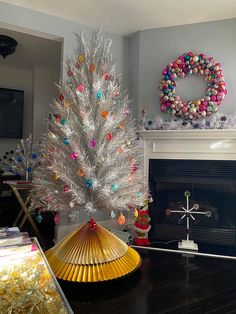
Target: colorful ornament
x,y
61,97
38,218
109,136
80,172
74,155
56,218
91,68
99,95
106,76
188,64
29,169
57,118
34,155
93,143
92,224
56,177
66,141
66,189
81,58
122,125
19,159
115,187
67,103
113,214
89,183
104,114
80,88
69,73
120,150
121,219
63,121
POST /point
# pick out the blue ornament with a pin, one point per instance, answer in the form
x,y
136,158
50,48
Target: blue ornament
x,y
63,121
29,169
34,155
66,141
19,159
149,122
99,95
38,218
9,169
139,194
165,92
166,77
115,187
171,87
113,214
89,183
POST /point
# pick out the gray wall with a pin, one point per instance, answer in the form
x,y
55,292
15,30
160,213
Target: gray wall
x,y
53,27
158,47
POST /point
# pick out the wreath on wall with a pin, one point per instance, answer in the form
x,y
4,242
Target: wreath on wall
x,y
188,64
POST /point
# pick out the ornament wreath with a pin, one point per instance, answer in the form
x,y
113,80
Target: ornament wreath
x,y
188,64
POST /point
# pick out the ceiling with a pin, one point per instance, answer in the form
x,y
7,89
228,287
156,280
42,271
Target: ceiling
x,y
128,16
32,51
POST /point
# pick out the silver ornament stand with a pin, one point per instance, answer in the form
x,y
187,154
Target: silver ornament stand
x,y
188,213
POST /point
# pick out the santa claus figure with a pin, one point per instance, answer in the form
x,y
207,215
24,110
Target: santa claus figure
x,y
141,224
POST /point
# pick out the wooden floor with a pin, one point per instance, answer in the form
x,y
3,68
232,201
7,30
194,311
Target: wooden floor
x,y
166,283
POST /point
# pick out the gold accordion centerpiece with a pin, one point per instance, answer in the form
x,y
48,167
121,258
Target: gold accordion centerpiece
x,y
92,255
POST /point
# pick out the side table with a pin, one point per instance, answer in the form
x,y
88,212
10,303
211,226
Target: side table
x,y
16,187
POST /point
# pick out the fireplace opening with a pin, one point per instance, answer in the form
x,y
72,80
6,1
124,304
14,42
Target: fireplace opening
x,y
212,184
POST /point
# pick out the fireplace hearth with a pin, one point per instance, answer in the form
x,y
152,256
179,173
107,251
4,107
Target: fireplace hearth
x,y
212,184
202,162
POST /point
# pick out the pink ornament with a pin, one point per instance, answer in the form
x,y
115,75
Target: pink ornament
x,y
73,155
66,188
56,218
106,76
93,143
80,88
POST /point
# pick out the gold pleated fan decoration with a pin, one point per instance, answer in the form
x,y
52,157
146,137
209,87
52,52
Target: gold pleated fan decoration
x,y
92,255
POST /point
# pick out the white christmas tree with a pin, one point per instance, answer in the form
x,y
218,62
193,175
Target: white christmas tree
x,y
90,155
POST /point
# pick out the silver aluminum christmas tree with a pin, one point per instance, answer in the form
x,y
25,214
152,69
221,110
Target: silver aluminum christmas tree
x,y
90,155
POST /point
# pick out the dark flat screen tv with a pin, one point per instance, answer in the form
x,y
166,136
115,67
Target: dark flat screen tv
x,y
11,113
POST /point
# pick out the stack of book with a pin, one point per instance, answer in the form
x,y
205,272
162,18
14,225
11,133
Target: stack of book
x,y
12,241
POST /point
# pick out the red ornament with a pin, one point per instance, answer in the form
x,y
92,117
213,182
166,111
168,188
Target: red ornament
x,y
109,136
92,224
57,118
61,97
106,76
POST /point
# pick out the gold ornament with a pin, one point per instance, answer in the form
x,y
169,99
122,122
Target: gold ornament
x,y
92,255
56,177
81,59
67,103
80,172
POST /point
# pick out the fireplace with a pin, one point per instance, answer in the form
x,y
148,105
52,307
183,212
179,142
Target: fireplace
x,y
202,162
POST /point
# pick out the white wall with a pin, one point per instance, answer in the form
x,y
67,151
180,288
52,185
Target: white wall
x,y
44,92
18,79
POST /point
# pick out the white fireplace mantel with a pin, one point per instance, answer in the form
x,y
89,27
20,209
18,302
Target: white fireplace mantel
x,y
218,144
